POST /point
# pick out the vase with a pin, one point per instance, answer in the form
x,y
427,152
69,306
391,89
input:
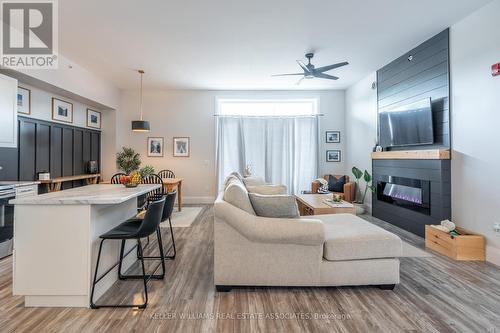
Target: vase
x,y
360,208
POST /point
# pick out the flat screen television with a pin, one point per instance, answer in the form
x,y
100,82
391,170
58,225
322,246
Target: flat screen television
x,y
407,125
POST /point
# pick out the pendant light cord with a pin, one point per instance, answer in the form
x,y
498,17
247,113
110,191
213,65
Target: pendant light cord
x,y
140,105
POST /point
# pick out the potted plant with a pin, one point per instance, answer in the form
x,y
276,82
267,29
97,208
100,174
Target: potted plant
x,y
147,170
128,160
360,196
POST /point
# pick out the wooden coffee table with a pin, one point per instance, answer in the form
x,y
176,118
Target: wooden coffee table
x,y
312,204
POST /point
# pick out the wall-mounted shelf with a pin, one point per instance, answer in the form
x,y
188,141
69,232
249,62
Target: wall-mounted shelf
x,y
428,154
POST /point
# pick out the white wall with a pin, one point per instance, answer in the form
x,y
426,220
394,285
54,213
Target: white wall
x,y
361,126
475,119
475,115
41,107
191,113
78,80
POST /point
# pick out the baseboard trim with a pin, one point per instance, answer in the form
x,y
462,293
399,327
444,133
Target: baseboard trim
x,y
198,200
493,255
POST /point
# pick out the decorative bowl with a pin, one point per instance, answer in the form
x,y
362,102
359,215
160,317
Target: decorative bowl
x,y
130,185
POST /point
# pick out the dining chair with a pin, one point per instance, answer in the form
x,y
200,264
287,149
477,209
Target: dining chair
x,y
166,174
115,179
153,179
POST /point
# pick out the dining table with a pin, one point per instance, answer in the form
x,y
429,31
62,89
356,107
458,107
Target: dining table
x,y
171,184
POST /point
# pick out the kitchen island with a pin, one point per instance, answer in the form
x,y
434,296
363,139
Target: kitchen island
x,y
56,237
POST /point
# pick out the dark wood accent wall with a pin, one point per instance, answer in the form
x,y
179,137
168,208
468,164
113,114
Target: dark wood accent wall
x,y
61,149
426,75
437,172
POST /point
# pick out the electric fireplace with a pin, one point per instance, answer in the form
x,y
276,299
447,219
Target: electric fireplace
x,y
408,193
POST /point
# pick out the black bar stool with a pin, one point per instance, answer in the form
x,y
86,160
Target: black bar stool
x,y
134,229
168,209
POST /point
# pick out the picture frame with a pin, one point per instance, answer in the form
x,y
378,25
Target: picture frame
x,y
62,110
332,137
334,155
93,119
155,146
181,147
23,100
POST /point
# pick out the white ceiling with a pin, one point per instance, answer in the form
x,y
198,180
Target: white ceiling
x,y
238,44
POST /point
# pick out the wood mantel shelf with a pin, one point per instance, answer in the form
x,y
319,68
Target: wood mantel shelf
x,y
429,154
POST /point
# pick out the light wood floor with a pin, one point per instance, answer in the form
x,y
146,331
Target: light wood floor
x,y
435,295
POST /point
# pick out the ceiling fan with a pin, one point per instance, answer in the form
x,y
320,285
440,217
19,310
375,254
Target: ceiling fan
x,y
310,72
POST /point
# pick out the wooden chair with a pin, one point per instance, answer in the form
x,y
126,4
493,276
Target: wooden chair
x,y
166,174
349,189
116,178
153,179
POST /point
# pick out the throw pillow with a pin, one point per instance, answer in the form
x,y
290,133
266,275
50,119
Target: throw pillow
x,y
236,194
254,181
279,206
336,184
267,189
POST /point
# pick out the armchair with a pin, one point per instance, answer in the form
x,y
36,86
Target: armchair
x,y
349,193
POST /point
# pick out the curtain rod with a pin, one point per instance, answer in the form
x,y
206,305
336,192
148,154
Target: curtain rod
x,y
281,116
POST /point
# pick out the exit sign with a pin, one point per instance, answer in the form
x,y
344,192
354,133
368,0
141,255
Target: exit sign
x,y
495,69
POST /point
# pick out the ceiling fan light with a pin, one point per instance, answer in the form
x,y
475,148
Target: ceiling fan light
x,y
140,126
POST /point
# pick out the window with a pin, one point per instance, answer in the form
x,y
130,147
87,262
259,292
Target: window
x,y
277,138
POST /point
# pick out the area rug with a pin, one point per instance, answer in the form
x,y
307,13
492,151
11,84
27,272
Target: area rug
x,y
414,252
184,218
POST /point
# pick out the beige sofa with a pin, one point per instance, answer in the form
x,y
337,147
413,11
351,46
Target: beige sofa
x,y
323,250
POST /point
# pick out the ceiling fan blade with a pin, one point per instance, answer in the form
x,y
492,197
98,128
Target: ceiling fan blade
x,y
299,81
287,74
327,68
326,76
303,66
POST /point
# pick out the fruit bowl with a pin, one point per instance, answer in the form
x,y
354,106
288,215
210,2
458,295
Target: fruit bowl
x,y
131,181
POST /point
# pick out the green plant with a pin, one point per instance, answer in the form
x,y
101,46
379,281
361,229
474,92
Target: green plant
x,y
128,160
358,174
147,170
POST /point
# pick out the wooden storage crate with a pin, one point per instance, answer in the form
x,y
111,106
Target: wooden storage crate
x,y
467,246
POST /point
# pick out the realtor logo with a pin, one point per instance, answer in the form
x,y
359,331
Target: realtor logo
x,y
29,34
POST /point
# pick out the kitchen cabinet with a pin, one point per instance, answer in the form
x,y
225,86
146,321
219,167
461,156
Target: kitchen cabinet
x,y
8,112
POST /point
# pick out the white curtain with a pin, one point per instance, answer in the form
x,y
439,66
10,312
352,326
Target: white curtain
x,y
282,150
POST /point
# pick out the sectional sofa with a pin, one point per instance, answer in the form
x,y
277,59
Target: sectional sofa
x,y
322,250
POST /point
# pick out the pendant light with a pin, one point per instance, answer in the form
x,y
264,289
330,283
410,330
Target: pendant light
x,y
140,125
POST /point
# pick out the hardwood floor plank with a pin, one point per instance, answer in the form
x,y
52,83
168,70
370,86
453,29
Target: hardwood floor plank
x,y
436,294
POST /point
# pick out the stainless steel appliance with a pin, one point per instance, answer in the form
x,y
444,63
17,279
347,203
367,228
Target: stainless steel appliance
x,y
7,192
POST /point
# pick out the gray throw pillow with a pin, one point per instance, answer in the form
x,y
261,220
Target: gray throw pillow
x,y
280,206
254,181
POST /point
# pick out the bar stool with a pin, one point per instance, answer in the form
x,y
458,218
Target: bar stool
x,y
134,229
168,208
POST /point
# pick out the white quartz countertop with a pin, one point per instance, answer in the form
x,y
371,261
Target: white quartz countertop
x,y
101,194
